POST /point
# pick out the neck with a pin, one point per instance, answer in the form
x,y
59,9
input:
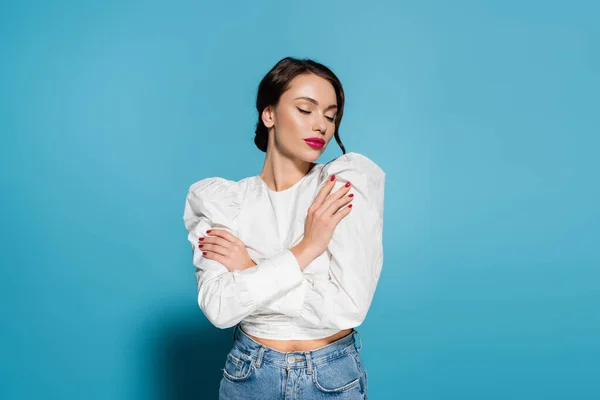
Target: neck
x,y
280,173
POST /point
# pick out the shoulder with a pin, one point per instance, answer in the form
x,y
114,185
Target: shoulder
x,y
215,198
364,174
355,161
355,165
214,187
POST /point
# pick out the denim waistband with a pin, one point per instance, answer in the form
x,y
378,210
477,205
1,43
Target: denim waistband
x,y
295,359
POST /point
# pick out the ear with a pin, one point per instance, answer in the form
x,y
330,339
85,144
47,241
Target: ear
x,y
268,117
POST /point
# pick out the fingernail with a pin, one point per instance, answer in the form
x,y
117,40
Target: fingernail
x,y
351,195
201,239
201,246
349,205
203,253
332,177
208,231
348,184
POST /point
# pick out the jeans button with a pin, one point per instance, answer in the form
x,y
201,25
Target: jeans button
x,y
290,359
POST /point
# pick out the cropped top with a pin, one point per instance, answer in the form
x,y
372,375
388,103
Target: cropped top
x,y
275,299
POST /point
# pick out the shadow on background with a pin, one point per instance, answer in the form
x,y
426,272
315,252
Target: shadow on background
x,y
189,360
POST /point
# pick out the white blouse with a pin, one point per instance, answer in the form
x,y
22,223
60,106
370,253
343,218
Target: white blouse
x,y
275,299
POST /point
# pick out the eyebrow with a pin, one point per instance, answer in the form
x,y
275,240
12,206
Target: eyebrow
x,y
315,102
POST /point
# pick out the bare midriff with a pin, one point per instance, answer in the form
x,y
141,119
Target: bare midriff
x,y
300,345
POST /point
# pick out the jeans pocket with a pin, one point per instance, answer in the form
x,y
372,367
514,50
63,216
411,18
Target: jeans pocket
x,y
337,375
238,366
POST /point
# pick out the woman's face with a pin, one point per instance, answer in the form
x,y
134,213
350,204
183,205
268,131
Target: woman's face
x,y
306,110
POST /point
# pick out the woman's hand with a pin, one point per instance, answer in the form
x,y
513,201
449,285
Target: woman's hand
x,y
227,249
323,216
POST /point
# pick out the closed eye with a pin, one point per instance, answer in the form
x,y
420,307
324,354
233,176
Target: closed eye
x,y
331,119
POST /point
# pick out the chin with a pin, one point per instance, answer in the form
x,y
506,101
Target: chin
x,y
308,154
313,155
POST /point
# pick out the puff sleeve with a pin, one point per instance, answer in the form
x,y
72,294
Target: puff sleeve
x,y
341,298
227,297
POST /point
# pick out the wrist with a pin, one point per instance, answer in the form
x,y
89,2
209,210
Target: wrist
x,y
250,264
305,253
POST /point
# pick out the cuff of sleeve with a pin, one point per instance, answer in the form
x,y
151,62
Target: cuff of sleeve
x,y
271,278
313,305
291,302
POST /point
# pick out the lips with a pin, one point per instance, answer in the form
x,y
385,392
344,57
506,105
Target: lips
x,y
316,140
315,143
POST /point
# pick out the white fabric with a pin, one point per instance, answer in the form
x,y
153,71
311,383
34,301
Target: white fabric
x,y
275,299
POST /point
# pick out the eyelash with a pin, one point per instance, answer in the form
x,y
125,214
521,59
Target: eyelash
x,y
308,112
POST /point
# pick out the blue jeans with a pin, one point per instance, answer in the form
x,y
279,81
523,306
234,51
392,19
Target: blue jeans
x,y
255,371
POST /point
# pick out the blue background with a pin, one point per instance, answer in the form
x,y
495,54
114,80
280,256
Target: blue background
x,y
484,116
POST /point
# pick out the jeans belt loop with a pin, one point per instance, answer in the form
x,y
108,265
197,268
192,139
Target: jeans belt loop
x,y
309,366
259,358
359,338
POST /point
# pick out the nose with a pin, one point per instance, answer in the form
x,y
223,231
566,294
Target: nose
x,y
320,124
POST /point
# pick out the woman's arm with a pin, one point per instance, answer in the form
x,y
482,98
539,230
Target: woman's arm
x,y
227,297
342,298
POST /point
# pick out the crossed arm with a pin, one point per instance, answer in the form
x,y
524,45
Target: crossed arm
x,y
231,286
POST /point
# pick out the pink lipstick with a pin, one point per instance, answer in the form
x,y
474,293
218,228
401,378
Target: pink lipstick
x,y
315,143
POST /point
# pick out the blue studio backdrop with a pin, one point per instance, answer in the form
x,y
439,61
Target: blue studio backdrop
x,y
484,116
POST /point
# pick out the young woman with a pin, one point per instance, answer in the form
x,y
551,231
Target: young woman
x,y
291,257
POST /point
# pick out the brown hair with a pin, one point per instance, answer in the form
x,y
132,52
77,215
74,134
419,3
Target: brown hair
x,y
277,81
